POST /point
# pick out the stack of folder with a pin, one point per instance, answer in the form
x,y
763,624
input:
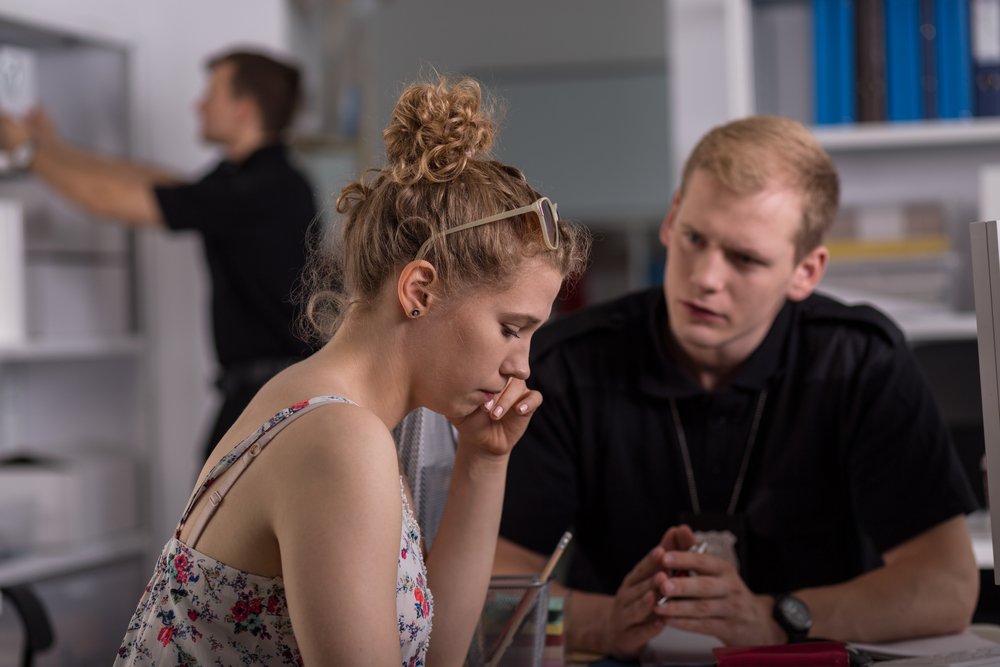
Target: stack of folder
x,y
904,60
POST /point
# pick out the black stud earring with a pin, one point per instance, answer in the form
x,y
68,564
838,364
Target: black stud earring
x,y
415,312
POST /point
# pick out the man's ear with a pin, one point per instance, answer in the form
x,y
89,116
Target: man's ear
x,y
413,287
807,273
668,221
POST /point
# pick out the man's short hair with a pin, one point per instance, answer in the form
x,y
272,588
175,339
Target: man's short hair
x,y
748,154
275,86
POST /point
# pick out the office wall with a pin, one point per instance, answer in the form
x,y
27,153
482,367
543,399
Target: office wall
x,y
584,85
168,42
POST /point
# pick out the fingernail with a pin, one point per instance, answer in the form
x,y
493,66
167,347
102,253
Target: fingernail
x,y
669,588
489,404
668,559
522,408
498,411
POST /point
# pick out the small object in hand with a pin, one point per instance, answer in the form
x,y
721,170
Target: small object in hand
x,y
697,548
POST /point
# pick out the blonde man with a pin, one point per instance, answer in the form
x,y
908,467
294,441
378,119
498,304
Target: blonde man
x,y
734,406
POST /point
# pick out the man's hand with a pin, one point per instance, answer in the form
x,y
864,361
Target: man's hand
x,y
13,132
40,127
716,602
633,620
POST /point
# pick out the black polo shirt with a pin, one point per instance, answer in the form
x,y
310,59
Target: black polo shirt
x,y
252,217
851,457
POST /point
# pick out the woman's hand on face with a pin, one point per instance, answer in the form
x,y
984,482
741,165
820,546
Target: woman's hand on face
x,y
496,426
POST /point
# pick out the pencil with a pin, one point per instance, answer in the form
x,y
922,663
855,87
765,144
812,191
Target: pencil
x,y
556,555
517,618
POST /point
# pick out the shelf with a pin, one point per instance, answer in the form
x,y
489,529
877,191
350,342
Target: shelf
x,y
71,350
36,567
919,321
908,135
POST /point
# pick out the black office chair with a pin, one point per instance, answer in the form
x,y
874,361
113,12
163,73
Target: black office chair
x,y
952,370
38,634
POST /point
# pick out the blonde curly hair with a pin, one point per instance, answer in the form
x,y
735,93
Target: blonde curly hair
x,y
439,174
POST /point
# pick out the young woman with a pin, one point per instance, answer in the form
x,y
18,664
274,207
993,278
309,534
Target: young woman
x,y
448,261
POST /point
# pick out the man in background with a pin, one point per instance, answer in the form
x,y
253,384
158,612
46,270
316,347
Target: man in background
x,y
791,434
251,211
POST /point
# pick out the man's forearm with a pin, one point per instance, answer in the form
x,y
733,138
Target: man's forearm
x,y
890,604
109,165
928,586
100,189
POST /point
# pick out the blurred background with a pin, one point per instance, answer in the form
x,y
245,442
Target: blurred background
x,y
109,366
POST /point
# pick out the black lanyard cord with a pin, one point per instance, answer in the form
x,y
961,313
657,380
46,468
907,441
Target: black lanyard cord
x,y
686,455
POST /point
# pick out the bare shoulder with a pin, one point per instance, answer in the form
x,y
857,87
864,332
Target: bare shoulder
x,y
339,434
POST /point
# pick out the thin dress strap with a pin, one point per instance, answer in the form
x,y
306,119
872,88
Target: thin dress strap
x,y
238,459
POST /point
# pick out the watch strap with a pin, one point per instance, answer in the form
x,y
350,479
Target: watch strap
x,y
797,630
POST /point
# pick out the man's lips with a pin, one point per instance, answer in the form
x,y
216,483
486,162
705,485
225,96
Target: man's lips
x,y
699,310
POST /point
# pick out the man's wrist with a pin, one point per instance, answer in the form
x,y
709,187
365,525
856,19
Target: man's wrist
x,y
792,615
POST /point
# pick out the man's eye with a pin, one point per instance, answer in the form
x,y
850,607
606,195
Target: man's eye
x,y
747,260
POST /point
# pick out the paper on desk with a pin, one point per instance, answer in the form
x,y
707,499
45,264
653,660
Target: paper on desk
x,y
679,647
912,648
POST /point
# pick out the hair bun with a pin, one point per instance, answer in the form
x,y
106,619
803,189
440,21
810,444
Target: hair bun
x,y
435,130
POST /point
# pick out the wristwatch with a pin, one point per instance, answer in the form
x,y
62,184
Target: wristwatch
x,y
792,614
22,155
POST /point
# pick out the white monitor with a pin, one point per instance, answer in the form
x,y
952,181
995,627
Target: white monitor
x,y
986,285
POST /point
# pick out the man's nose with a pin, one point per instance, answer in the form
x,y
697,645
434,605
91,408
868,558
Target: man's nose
x,y
709,271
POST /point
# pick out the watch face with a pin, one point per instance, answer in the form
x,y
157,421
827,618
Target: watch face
x,y
795,612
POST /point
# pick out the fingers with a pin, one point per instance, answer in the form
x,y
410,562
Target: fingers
x,y
706,564
650,564
678,538
515,397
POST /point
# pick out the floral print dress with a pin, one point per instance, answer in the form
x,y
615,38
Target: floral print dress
x,y
196,610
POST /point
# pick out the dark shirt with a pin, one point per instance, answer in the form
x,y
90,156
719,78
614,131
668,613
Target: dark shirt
x,y
851,458
252,218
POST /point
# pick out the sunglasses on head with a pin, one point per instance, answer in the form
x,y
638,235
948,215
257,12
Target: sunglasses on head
x,y
546,212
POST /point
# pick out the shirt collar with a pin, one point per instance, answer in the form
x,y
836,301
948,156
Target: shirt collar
x,y
265,152
663,377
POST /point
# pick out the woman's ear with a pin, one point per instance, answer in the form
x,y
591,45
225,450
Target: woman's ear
x,y
414,287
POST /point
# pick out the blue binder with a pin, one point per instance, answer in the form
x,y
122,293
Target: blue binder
x,y
904,100
834,77
954,60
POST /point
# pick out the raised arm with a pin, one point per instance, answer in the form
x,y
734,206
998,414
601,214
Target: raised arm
x,y
103,186
461,559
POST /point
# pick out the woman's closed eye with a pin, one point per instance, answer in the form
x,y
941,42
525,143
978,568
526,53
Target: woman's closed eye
x,y
508,332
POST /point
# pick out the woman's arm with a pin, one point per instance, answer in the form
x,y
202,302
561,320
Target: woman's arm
x,y
338,519
460,563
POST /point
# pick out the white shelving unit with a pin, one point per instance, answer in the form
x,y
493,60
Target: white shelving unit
x,y
130,347
916,135
57,563
73,391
